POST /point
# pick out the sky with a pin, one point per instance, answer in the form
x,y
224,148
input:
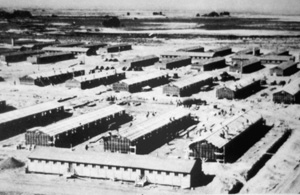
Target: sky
x,y
259,6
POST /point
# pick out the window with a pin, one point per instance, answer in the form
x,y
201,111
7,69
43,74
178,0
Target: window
x,y
176,174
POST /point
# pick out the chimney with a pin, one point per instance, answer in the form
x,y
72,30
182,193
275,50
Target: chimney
x,y
12,42
254,51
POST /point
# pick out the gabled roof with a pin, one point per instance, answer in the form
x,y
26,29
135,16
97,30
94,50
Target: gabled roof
x,y
190,54
181,58
54,54
28,111
142,58
113,159
142,78
248,50
230,128
292,88
186,49
24,53
220,49
275,57
79,121
243,57
154,123
118,45
244,82
90,77
66,49
209,61
279,52
191,80
286,65
54,72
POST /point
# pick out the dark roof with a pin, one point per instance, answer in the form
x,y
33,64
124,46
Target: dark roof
x,y
114,159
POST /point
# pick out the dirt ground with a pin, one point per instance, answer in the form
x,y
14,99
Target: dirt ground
x,y
280,174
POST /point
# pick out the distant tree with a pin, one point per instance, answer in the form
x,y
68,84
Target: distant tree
x,y
198,15
21,14
213,14
54,16
112,22
225,13
128,13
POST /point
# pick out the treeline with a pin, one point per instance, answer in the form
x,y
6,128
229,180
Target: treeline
x,y
215,14
15,14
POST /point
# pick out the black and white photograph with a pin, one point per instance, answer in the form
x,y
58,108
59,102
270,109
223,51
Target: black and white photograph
x,y
137,97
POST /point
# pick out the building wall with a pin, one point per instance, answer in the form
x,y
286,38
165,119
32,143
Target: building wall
x,y
148,142
283,97
177,64
233,149
109,172
226,93
20,125
185,91
95,82
205,150
120,87
135,87
145,62
77,135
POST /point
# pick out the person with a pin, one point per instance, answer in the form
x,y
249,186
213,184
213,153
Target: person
x,y
86,147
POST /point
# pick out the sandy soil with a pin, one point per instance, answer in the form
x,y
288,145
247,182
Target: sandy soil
x,y
283,178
